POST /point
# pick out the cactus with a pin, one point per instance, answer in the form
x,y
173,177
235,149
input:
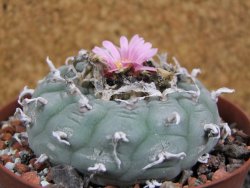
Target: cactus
x,y
121,125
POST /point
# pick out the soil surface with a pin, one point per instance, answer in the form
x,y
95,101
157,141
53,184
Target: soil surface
x,y
211,35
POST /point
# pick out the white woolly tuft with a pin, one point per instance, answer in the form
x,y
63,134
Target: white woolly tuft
x,y
174,118
98,167
165,156
61,137
26,91
50,64
195,72
218,92
152,184
42,158
204,158
213,129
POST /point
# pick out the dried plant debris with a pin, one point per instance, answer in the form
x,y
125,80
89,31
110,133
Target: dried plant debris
x,y
87,70
229,154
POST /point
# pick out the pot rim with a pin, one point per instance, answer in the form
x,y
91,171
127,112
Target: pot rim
x,y
245,165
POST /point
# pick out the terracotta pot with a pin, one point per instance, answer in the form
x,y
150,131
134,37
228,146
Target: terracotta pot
x,y
228,111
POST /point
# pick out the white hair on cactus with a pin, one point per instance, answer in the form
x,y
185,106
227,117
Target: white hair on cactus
x,y
74,90
71,58
226,128
173,118
42,158
19,114
17,138
84,102
38,101
120,136
82,52
50,64
68,59
184,71
180,69
212,129
56,75
195,72
204,158
178,90
26,91
218,92
161,157
116,138
61,137
152,184
98,167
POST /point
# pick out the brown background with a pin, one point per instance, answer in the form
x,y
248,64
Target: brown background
x,y
210,34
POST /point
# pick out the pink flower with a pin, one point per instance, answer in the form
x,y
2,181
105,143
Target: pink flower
x,y
130,54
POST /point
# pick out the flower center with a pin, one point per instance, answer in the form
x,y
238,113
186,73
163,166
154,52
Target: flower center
x,y
118,65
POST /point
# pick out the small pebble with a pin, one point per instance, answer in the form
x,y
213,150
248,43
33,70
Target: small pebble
x,y
137,185
20,129
39,166
16,122
220,173
31,177
10,165
25,156
232,167
21,168
170,184
235,161
193,182
17,173
17,160
17,146
49,176
184,176
6,136
235,151
5,158
16,155
203,178
45,171
44,183
2,144
12,151
32,161
7,128
42,177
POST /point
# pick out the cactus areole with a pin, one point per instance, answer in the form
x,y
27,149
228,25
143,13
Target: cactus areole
x,y
121,117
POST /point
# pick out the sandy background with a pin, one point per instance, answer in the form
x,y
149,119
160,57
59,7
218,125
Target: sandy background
x,y
213,35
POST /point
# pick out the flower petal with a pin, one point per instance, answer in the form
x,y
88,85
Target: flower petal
x,y
124,47
146,55
112,50
104,55
134,43
131,53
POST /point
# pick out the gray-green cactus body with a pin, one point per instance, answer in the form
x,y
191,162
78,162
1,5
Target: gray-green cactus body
x,y
121,143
